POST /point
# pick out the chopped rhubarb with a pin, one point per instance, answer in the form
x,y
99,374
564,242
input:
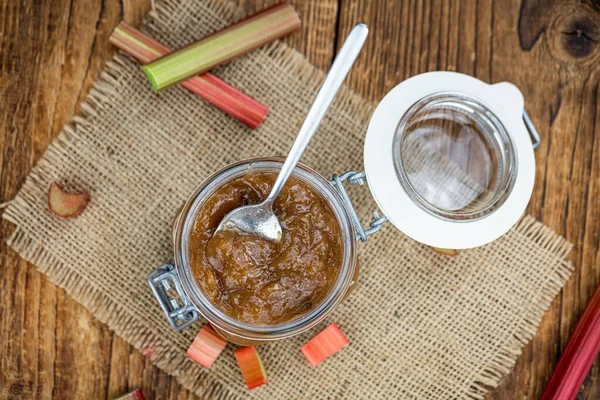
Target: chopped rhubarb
x,y
578,356
222,46
326,343
65,204
206,347
252,367
448,252
212,89
135,395
149,350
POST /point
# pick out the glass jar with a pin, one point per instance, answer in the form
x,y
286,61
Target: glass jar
x,y
182,299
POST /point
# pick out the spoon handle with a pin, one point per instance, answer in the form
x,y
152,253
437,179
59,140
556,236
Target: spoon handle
x,y
336,75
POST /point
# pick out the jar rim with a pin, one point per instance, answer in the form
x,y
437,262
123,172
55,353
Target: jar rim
x,y
494,133
231,325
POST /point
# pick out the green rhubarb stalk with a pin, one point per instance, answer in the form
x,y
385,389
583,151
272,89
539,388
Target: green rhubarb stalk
x,y
222,46
207,86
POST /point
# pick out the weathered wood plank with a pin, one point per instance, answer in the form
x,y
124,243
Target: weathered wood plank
x,y
30,63
561,94
51,52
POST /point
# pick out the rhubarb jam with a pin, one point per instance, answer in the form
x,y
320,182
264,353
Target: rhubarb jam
x,y
257,281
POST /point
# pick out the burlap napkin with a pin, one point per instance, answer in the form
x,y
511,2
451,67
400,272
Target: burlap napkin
x,y
421,325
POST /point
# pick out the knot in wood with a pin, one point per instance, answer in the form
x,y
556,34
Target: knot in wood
x,y
580,36
575,35
16,389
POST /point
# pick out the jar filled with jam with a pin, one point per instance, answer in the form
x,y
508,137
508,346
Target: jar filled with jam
x,y
250,289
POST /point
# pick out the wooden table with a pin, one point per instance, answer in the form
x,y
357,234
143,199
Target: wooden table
x,y
51,53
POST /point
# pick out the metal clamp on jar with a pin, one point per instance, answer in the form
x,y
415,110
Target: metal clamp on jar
x,y
449,161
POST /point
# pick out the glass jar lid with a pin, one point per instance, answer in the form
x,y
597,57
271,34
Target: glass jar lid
x,y
449,160
453,157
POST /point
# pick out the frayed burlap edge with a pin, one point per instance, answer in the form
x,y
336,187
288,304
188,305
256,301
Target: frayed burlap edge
x,y
120,320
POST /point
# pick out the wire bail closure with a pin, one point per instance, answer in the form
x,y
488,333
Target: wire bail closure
x,y
535,136
167,289
356,178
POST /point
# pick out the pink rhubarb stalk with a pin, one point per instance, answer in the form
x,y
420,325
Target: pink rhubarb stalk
x,y
135,395
65,204
578,357
222,46
209,87
251,366
206,347
326,343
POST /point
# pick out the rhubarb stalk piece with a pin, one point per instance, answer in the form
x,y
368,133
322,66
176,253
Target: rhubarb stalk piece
x,y
578,357
206,347
65,204
251,366
207,86
326,343
135,395
222,46
448,252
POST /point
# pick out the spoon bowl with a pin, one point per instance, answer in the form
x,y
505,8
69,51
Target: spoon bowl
x,y
256,219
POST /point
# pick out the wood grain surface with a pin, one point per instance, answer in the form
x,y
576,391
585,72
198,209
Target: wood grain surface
x,y
52,51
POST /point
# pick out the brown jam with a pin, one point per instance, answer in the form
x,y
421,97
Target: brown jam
x,y
257,281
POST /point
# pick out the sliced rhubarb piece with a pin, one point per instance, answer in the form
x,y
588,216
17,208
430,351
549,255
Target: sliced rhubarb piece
x,y
448,252
149,350
222,46
252,367
206,347
212,89
326,343
65,204
135,395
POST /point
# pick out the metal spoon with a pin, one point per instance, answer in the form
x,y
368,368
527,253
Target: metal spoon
x,y
259,219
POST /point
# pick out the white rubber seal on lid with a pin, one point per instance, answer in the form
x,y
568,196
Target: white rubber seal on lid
x,y
506,102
